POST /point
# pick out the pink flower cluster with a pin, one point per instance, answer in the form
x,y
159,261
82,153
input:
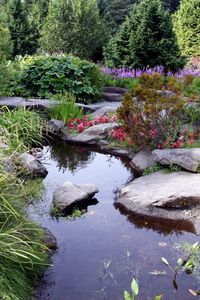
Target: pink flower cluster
x,y
185,138
118,134
81,124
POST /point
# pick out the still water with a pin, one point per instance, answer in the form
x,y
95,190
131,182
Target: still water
x,y
100,252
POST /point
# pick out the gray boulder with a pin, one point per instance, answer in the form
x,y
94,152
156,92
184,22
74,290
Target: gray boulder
x,y
32,165
70,194
93,134
174,196
55,126
188,159
142,160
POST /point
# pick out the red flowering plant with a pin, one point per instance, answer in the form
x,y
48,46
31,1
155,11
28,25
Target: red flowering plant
x,y
187,139
151,119
78,125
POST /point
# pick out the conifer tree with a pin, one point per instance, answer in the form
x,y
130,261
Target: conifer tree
x,y
150,39
19,28
187,27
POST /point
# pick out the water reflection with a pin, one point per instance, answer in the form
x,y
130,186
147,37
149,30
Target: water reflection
x,y
99,253
160,225
71,157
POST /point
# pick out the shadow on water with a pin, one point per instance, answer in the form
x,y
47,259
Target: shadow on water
x,y
102,250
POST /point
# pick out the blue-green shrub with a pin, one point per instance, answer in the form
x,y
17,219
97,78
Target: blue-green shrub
x,y
41,75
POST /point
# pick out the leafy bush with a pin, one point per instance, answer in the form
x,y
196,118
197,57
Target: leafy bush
x,y
64,107
150,117
42,75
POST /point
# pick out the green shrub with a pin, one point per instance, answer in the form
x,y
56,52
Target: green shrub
x,y
42,75
64,107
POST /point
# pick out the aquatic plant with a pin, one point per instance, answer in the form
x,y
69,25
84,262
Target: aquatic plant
x,y
63,107
135,292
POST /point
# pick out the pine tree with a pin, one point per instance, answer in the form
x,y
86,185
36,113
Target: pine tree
x,y
187,27
149,41
19,28
154,42
37,11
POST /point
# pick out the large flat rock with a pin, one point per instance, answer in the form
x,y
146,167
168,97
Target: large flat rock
x,y
16,102
188,159
173,196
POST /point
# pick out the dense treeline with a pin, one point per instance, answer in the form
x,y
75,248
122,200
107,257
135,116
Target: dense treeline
x,y
86,27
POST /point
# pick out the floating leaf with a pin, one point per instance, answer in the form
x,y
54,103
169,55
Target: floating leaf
x,y
165,261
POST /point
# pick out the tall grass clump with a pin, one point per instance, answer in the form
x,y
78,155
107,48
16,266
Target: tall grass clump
x,y
23,255
64,107
20,128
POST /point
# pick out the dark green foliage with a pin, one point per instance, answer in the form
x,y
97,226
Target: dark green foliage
x,y
19,28
59,74
37,11
145,39
5,48
171,5
187,27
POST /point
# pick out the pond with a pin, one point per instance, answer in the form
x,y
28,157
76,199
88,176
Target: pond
x,y
102,250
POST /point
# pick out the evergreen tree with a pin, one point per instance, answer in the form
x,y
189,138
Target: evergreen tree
x,y
19,28
149,40
73,26
37,11
187,27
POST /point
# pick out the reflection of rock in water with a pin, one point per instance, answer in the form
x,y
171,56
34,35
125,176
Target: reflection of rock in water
x,y
162,226
71,157
81,207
